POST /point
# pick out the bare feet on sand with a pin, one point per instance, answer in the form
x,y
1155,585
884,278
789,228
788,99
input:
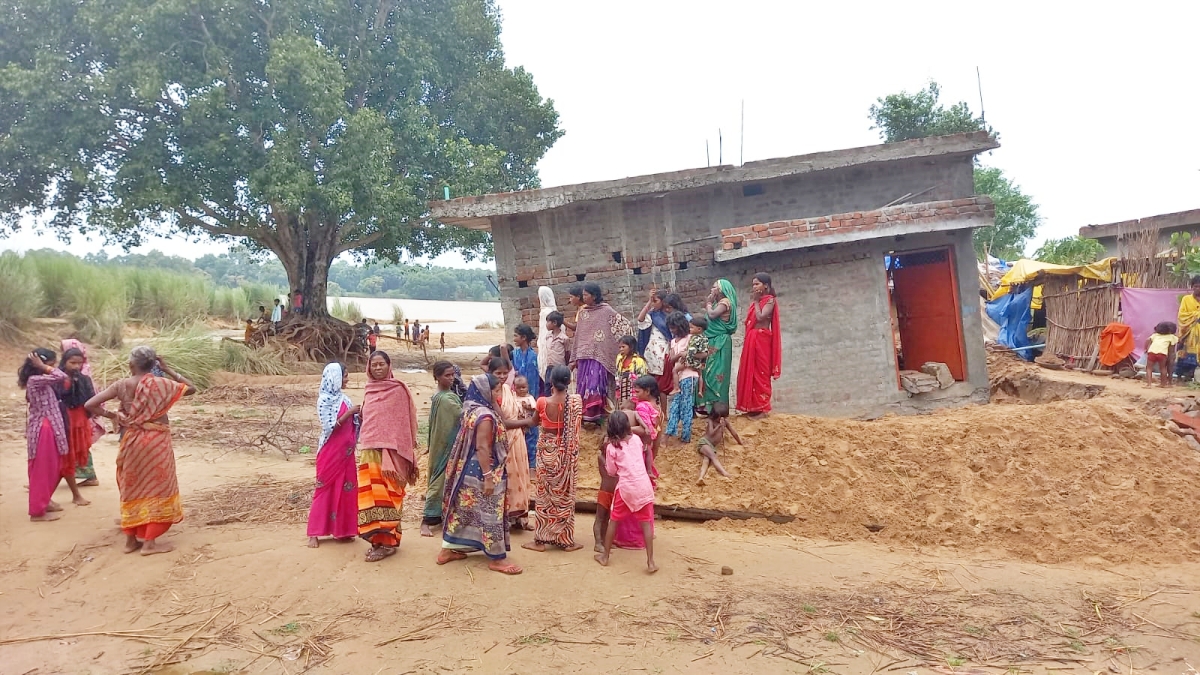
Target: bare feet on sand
x,y
449,555
602,559
132,544
53,507
425,531
313,542
572,547
80,501
91,482
535,546
152,547
599,548
46,517
651,568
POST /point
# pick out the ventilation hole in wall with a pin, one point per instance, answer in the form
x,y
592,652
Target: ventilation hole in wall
x,y
683,265
752,190
522,284
580,277
737,245
616,255
637,271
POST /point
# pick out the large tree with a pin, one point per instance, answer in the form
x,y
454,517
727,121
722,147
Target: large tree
x,y
904,116
306,128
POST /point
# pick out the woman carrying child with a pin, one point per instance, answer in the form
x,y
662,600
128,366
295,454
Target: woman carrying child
x,y
722,311
633,498
559,415
516,463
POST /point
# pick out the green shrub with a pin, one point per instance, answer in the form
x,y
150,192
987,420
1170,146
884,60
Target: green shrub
x,y
162,298
196,355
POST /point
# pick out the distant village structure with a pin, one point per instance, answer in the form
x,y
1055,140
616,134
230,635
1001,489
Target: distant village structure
x,y
869,249
1167,224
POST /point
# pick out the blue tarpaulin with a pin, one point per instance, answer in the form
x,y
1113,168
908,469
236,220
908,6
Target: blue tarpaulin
x,y
1011,311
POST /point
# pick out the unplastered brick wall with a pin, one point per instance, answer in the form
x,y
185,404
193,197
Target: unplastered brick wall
x,y
838,353
856,222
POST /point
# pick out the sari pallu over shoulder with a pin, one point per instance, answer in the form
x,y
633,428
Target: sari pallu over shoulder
x,y
146,459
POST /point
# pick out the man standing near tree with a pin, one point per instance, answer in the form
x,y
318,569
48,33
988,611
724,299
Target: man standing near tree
x,y
277,313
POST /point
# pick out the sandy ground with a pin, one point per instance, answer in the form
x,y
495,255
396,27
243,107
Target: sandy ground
x,y
240,597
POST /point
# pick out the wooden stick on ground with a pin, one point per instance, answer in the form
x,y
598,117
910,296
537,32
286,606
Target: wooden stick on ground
x,y
155,663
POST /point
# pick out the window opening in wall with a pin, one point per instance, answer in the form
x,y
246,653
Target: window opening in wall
x,y
580,277
926,322
683,265
522,284
752,190
616,256
637,271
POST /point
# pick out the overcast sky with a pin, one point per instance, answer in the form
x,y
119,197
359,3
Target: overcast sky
x,y
1096,106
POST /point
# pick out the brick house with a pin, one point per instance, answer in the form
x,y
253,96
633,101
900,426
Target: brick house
x,y
867,247
1167,224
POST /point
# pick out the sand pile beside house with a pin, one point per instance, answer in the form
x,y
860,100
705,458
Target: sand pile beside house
x,y
1062,481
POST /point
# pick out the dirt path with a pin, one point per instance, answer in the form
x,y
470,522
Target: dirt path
x,y
246,597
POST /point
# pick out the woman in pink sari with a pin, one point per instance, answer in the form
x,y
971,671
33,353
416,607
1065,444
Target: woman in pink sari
x,y
334,511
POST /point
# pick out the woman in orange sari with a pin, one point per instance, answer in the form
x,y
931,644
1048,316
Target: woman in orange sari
x,y
146,461
387,458
762,352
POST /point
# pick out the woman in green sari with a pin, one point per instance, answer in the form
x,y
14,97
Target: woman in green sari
x,y
445,413
721,308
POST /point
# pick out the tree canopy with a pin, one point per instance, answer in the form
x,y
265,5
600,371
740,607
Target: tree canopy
x,y
904,116
305,128
1074,250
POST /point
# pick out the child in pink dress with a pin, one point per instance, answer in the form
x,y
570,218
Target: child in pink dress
x,y
633,498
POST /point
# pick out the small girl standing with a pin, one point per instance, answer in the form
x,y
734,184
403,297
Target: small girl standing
x,y
1160,349
690,351
633,498
630,366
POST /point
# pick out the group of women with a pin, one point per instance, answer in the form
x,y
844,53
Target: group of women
x,y
512,432
62,428
478,483
598,329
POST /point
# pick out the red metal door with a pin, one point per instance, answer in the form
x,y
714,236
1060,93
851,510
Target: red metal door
x,y
926,298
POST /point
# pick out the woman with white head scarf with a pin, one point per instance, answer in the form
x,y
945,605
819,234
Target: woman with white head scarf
x,y
334,509
546,298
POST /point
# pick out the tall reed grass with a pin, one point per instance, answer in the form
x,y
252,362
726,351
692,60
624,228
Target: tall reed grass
x,y
100,300
397,315
347,311
21,299
196,355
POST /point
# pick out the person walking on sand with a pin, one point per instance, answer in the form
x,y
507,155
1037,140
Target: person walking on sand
x,y
45,435
387,461
473,502
445,414
146,476
334,510
633,498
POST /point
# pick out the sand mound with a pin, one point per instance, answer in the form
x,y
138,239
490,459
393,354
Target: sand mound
x,y
1054,482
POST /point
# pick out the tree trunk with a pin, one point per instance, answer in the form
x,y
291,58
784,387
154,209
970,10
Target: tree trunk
x,y
306,248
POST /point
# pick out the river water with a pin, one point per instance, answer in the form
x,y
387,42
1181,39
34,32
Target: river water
x,y
448,316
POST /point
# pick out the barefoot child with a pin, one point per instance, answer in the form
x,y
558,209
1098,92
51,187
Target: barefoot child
x,y
1160,350
528,406
645,396
633,498
690,349
604,496
630,366
718,424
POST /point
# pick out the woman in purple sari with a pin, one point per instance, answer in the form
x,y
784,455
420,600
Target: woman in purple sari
x,y
334,509
598,332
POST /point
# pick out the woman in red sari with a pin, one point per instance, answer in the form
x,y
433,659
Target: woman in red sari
x,y
146,477
762,353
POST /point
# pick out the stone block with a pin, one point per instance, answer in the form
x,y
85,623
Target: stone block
x,y
940,371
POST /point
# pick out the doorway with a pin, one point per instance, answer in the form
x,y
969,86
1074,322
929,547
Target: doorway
x,y
924,292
